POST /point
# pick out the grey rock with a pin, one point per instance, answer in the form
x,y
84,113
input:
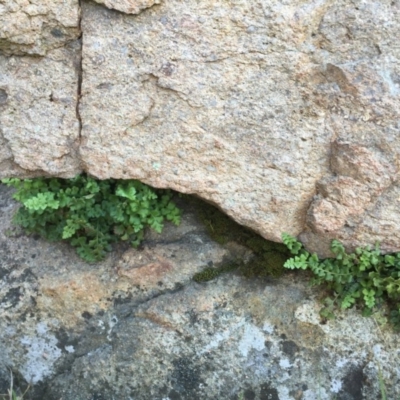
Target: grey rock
x,y
137,327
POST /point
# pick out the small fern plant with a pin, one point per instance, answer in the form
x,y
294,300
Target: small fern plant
x,y
89,213
366,277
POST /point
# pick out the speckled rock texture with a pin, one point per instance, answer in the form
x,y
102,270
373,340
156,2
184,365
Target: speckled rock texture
x,y
34,27
137,327
283,113
39,128
128,6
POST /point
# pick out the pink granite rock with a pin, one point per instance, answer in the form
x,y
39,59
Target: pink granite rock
x,y
128,6
34,27
285,115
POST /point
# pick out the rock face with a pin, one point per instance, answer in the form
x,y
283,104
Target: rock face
x,y
137,327
39,86
128,6
284,114
34,27
39,128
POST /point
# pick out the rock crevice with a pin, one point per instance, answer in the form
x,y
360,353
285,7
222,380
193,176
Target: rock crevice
x,y
79,73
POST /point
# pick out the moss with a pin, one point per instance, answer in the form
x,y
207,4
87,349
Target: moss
x,y
268,258
220,227
208,274
260,245
266,264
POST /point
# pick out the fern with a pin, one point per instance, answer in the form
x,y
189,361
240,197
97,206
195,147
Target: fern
x,y
365,278
91,214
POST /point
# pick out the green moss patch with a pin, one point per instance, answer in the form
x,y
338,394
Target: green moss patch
x,y
269,257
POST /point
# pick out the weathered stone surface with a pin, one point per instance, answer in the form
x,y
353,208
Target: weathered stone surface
x,y
128,6
201,344
136,327
345,202
252,105
65,292
204,100
39,125
245,105
34,27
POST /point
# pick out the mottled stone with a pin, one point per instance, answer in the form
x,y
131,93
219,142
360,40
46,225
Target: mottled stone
x,y
34,27
128,6
39,125
137,326
345,202
247,104
366,166
327,216
193,97
346,191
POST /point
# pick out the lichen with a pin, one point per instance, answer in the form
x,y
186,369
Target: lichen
x,y
268,257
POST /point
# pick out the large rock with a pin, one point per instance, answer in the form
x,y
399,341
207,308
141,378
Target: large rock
x,y
284,114
137,327
206,100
